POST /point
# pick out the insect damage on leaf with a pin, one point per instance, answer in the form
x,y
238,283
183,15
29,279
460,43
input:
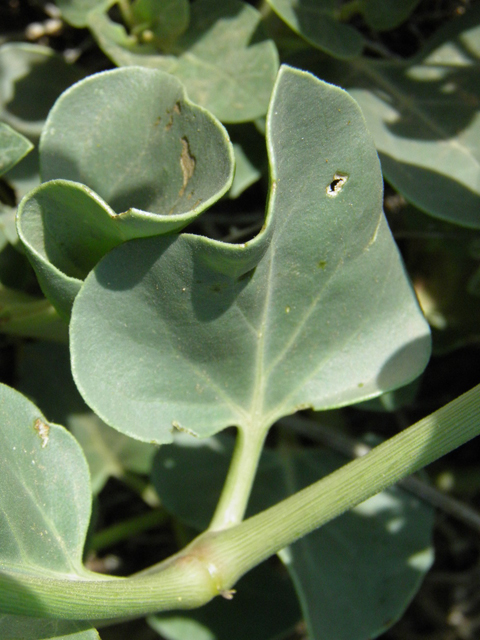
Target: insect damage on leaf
x,y
176,111
187,163
43,431
336,185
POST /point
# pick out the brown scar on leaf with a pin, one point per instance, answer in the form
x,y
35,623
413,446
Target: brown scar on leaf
x,y
176,111
43,431
187,164
178,427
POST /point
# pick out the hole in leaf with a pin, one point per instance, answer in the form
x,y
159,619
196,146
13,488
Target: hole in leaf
x,y
336,185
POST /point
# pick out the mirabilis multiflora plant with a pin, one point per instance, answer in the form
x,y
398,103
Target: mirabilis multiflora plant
x,y
173,331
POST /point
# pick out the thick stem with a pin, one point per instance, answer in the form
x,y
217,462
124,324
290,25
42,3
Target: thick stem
x,y
126,11
213,562
238,484
185,582
246,545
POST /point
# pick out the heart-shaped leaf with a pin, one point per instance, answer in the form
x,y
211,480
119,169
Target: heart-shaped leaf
x,y
148,156
424,115
197,334
316,21
13,147
220,58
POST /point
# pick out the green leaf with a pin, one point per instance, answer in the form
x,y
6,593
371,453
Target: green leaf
x,y
13,147
316,21
167,19
76,12
148,157
25,315
24,177
34,484
25,628
424,115
44,509
315,311
369,562
250,157
264,607
382,15
220,59
246,173
31,78
108,452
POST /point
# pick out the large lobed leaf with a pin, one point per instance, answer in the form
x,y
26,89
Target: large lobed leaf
x,y
186,332
148,157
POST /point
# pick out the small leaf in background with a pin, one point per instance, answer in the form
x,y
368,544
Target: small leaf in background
x,y
382,15
149,157
443,268
13,147
166,19
31,79
108,453
354,576
76,12
424,116
45,490
317,22
314,311
223,63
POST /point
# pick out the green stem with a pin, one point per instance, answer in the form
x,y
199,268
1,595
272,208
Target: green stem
x,y
238,484
215,560
141,487
126,529
259,537
264,9
126,11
